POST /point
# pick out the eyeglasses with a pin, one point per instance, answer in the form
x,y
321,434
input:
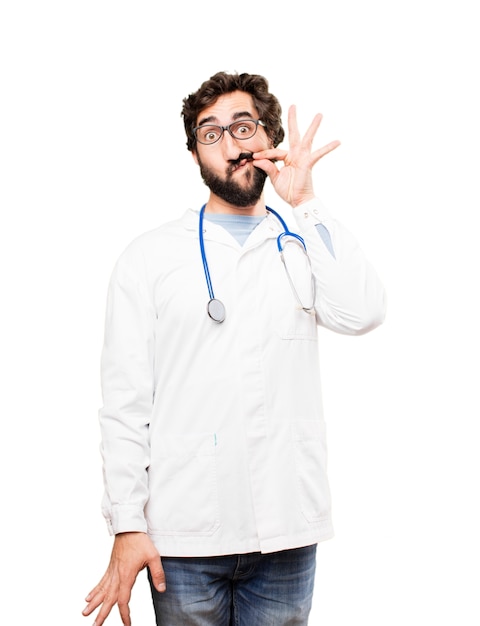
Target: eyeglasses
x,y
211,133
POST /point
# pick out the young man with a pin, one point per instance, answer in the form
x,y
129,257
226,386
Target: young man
x,y
212,427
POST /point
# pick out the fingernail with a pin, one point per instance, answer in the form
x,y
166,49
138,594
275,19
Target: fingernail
x,y
162,587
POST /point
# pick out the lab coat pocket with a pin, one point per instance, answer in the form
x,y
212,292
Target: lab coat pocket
x,y
311,468
183,486
297,324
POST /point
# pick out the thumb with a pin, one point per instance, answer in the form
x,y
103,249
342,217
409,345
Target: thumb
x,y
157,574
267,166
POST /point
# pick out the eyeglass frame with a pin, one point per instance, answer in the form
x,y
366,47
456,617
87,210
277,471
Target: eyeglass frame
x,y
224,128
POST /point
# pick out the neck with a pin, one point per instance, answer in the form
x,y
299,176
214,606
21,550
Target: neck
x,y
217,205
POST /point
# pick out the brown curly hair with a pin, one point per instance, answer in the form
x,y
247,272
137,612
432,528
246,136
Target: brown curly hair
x,y
221,83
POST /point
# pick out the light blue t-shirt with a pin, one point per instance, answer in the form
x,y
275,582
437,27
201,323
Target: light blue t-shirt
x,y
239,226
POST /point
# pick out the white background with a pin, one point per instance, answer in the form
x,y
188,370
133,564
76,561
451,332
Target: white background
x,y
93,153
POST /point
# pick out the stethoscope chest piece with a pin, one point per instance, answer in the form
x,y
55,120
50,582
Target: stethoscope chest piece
x,y
216,310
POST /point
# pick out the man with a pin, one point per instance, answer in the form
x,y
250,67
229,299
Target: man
x,y
212,429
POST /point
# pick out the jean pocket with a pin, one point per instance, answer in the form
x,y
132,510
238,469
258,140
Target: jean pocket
x,y
183,486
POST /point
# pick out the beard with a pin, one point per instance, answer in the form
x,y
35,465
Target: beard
x,y
232,191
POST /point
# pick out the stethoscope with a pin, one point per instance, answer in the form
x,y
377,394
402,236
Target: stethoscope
x,y
215,307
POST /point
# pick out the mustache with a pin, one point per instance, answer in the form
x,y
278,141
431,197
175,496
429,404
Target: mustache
x,y
243,155
233,163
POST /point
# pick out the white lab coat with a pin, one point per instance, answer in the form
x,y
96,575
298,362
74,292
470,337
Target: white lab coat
x,y
213,436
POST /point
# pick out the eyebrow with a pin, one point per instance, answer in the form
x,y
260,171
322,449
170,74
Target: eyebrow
x,y
239,115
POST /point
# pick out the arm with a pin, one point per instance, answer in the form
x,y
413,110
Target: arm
x,y
350,297
127,386
127,378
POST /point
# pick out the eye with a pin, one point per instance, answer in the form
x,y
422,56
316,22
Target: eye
x,y
243,128
208,134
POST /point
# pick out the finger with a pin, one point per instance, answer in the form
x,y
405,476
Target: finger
x,y
124,596
105,594
107,605
321,152
119,593
293,134
124,609
98,588
91,606
90,595
94,599
158,575
312,129
268,167
272,154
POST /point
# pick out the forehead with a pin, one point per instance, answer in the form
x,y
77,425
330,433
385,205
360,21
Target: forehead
x,y
228,107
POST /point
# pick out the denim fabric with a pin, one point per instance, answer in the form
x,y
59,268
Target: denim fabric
x,y
238,590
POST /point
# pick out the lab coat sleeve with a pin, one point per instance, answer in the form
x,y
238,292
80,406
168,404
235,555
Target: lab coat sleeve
x,y
127,387
350,298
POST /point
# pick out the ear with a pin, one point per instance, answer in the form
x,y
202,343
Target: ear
x,y
194,155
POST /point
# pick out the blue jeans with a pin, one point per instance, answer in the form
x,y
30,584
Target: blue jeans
x,y
239,590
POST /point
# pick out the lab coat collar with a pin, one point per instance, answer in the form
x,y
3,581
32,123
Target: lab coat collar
x,y
268,228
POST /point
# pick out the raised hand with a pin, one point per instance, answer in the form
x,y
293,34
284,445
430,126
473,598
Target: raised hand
x,y
293,181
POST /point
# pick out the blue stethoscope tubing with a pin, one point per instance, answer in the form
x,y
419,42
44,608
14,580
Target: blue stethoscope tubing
x,y
215,308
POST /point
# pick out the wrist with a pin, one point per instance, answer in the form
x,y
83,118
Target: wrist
x,y
302,200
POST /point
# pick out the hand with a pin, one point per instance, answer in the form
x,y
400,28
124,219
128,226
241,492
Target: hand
x,y
131,552
293,182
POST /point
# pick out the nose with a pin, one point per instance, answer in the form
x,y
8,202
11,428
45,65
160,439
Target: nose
x,y
231,147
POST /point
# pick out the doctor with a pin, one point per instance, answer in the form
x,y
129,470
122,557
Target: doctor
x,y
213,435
